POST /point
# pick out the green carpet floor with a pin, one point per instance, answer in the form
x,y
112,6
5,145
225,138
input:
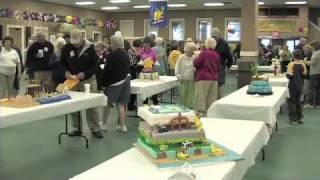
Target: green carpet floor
x,y
31,151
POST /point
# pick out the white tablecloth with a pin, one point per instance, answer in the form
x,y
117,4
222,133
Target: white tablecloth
x,y
240,105
260,68
279,80
79,101
145,89
244,137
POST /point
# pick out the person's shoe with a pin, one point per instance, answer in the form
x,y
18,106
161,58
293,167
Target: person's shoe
x,y
293,122
74,133
104,127
301,121
97,134
122,129
307,106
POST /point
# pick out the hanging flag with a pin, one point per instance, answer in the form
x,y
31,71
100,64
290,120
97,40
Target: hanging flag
x,y
159,13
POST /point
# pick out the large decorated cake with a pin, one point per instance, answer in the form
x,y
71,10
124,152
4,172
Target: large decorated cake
x,y
260,87
172,135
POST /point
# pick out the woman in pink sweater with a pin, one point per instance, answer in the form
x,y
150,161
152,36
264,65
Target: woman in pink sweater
x,y
207,75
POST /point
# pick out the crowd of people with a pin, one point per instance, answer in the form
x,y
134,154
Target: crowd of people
x,y
200,68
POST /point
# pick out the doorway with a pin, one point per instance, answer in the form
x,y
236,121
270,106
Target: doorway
x,y
17,33
96,36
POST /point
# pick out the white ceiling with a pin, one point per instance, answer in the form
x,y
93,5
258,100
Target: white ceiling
x,y
191,4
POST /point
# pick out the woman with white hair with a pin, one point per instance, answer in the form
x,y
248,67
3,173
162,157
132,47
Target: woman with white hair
x,y
161,56
116,79
57,69
207,76
185,73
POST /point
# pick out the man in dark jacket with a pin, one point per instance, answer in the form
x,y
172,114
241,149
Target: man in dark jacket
x,y
80,61
38,55
226,58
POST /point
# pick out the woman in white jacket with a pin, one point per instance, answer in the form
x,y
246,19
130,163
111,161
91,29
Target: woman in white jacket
x,y
184,71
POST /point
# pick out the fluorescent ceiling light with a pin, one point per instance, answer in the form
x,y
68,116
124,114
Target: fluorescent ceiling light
x,y
177,5
141,6
261,3
213,4
83,3
296,2
119,1
110,8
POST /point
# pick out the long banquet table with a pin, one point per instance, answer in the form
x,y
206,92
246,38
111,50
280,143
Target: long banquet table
x,y
144,89
240,105
79,102
260,68
244,137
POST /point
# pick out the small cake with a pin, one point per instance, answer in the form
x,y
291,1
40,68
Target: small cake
x,y
21,101
151,76
260,87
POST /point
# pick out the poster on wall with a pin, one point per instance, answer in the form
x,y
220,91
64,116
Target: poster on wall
x,y
233,30
159,13
276,25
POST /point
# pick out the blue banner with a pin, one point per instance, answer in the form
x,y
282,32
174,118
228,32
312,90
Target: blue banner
x,y
159,14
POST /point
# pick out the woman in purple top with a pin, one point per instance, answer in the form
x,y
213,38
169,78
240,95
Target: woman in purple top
x,y
147,53
207,75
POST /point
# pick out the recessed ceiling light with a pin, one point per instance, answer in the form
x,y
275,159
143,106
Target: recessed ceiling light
x,y
141,6
213,4
83,3
177,5
261,3
119,1
296,2
110,8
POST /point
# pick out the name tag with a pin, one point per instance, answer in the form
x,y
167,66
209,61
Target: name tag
x,y
40,53
45,49
72,54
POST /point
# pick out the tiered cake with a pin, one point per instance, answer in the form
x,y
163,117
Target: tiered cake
x,y
260,87
172,134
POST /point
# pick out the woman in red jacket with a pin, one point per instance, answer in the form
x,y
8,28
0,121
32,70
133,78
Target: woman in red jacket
x,y
207,75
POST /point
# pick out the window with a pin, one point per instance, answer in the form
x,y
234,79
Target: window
x,y
84,34
96,36
290,44
150,29
127,28
233,29
177,29
204,26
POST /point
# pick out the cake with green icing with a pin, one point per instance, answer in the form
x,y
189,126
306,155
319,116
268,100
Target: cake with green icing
x,y
173,134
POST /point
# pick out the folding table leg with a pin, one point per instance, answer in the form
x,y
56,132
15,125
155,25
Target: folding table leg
x,y
79,129
263,154
66,132
172,92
